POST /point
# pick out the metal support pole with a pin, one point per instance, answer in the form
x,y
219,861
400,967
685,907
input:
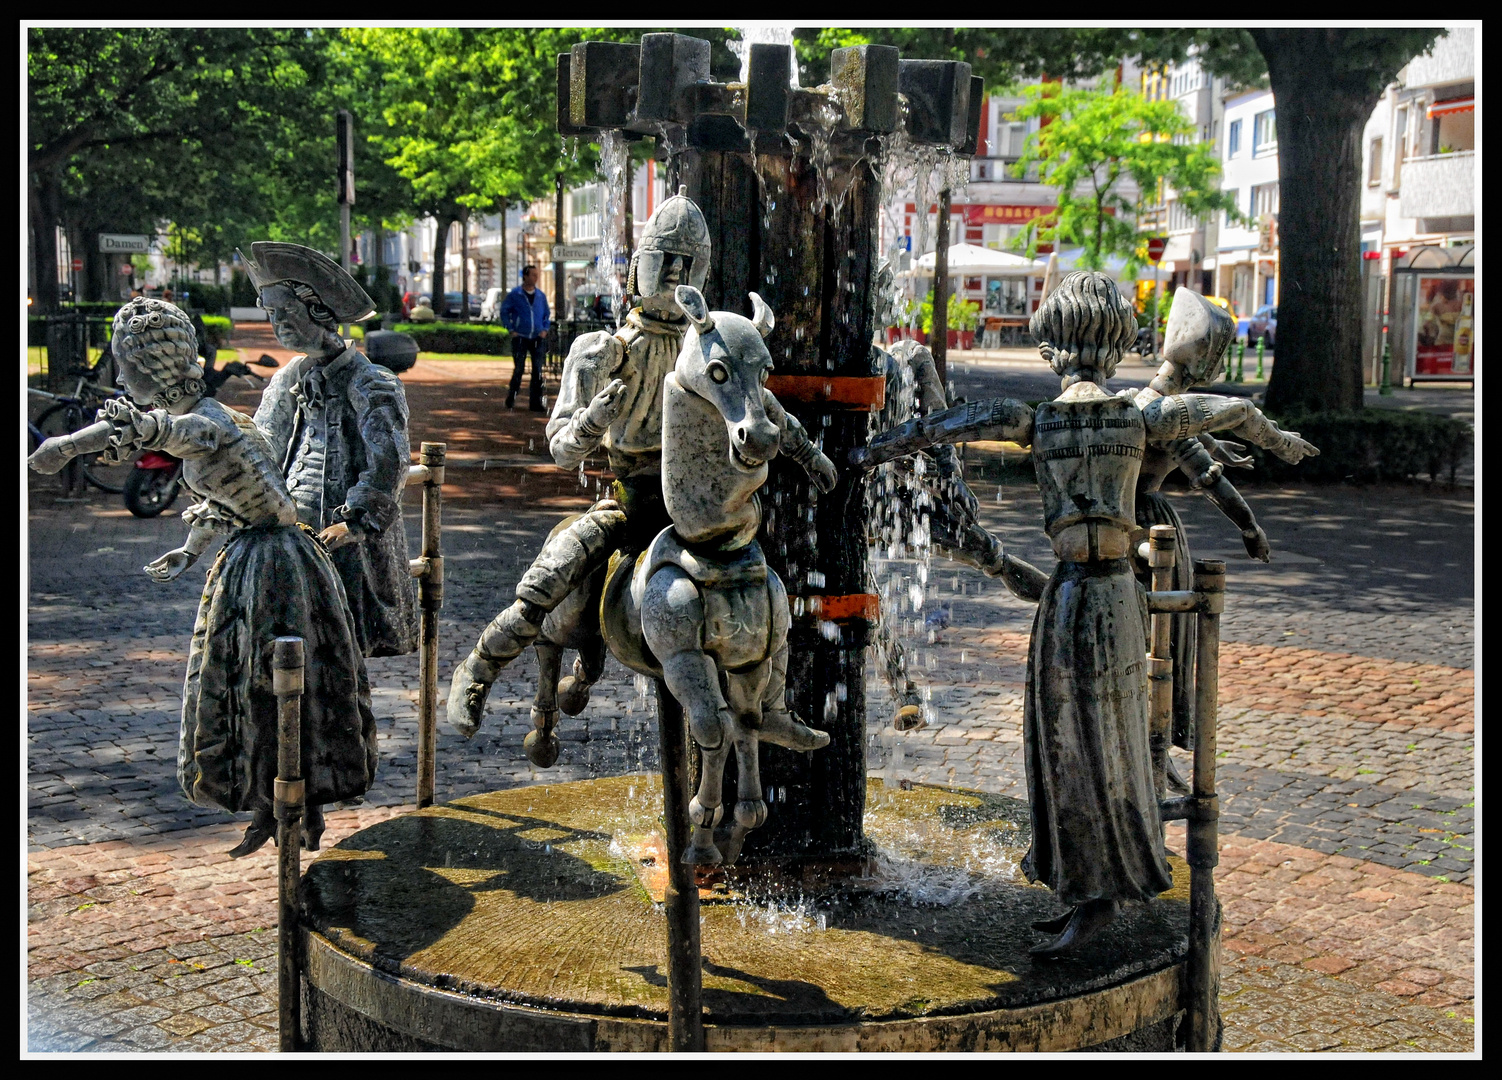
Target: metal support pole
x,y
428,569
1261,348
939,343
1203,848
287,684
1160,558
1385,390
1157,302
681,899
1240,355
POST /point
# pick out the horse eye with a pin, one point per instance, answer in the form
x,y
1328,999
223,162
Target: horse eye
x,y
719,372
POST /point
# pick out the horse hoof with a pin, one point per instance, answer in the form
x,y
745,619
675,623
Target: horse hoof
x,y
783,729
751,813
467,694
573,695
542,748
701,853
909,718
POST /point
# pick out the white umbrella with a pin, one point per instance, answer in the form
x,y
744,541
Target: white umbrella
x,y
967,260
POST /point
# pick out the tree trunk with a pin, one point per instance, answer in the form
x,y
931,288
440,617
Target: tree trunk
x,y
1320,122
505,282
464,266
43,201
440,256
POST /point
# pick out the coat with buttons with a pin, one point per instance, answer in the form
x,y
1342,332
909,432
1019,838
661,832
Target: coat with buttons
x,y
357,411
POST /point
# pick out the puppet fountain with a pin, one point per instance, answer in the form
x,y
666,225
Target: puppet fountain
x,y
728,562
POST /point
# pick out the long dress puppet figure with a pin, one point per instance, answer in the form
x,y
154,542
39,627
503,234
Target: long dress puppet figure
x,y
1097,836
272,578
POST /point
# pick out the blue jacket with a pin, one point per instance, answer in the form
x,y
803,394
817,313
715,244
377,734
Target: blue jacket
x,y
523,317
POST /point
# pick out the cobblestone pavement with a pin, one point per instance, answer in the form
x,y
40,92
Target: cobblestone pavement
x,y
1347,759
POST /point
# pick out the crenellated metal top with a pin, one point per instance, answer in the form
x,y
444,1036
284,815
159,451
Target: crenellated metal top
x,y
664,82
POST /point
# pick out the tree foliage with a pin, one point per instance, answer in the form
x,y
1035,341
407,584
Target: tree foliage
x,y
1089,144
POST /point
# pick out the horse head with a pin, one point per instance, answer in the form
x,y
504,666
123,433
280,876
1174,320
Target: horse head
x,y
725,361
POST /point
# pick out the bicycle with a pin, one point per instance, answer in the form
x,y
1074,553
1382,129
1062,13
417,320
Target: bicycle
x,y
69,413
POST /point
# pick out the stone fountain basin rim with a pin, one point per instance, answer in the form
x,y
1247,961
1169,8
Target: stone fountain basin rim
x,y
468,1023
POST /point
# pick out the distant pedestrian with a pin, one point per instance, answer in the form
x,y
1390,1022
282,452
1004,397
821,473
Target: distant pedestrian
x,y
525,314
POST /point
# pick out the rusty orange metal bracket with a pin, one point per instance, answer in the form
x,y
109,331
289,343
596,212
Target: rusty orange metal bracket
x,y
855,606
865,393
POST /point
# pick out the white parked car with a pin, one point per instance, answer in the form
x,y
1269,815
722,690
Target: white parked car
x,y
490,308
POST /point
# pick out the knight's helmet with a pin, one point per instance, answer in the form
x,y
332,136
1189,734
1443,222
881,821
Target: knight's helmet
x,y
677,227
339,295
1197,336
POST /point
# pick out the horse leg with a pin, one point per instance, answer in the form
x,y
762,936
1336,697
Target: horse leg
x,y
672,622
768,692
541,744
589,665
707,806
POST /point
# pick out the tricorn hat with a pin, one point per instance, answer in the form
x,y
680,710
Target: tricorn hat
x,y
275,262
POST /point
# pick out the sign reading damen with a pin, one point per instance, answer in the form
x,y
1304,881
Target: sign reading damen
x,y
123,244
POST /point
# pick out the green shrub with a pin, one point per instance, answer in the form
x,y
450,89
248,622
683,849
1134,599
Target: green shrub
x,y
1369,446
217,328
481,338
209,298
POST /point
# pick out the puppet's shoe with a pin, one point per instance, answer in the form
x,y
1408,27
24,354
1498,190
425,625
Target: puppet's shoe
x,y
910,713
467,694
1055,925
312,827
1084,923
781,728
262,827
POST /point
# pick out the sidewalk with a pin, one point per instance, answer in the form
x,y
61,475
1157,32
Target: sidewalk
x,y
1346,769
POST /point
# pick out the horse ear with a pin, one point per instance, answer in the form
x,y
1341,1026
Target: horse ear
x,y
762,317
691,302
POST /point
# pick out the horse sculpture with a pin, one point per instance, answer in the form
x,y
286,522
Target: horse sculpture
x,y
700,609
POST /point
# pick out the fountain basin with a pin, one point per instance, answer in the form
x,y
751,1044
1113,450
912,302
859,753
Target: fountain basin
x,y
516,921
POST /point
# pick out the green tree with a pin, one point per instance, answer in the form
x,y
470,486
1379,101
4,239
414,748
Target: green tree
x,y
1089,143
159,108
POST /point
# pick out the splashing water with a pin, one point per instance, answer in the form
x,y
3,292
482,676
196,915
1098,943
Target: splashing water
x,y
613,154
763,35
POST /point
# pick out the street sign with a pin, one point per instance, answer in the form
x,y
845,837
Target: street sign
x,y
1155,248
123,244
77,264
574,252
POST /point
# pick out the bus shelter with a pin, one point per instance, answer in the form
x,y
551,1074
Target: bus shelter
x,y
1432,313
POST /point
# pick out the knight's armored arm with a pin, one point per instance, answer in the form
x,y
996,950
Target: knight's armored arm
x,y
375,500
1183,415
575,429
797,445
999,418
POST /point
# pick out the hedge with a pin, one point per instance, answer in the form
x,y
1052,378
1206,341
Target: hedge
x,y
206,298
481,338
1369,446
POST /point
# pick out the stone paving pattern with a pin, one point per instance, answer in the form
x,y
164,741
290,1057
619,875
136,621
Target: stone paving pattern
x,y
1347,761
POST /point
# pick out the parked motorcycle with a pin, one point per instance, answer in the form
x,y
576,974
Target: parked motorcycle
x,y
156,478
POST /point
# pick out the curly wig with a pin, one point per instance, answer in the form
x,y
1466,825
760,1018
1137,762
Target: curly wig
x,y
1084,323
156,339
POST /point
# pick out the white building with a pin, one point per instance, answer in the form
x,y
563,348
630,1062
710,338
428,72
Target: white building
x,y
1246,257
1419,154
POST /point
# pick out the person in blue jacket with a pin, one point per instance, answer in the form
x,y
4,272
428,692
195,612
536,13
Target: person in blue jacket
x,y
525,313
